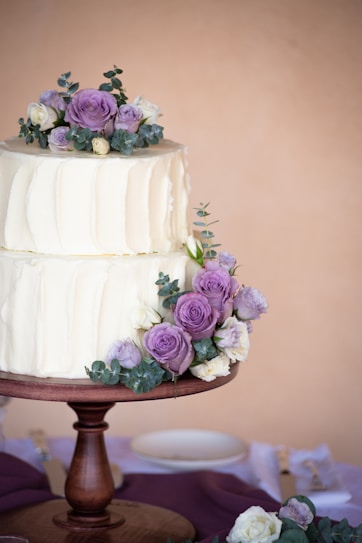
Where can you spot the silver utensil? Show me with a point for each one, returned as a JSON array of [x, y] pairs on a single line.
[[316, 483], [53, 467], [286, 478]]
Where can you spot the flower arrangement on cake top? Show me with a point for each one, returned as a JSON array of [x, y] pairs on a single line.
[[202, 331], [295, 522], [98, 120]]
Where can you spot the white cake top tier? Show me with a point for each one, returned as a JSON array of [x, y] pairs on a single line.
[[84, 204]]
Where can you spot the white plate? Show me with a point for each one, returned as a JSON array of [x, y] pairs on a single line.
[[189, 449]]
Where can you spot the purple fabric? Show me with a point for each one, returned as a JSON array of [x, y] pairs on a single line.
[[210, 500]]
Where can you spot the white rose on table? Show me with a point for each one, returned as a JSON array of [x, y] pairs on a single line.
[[100, 146], [42, 115], [144, 317], [255, 526], [209, 370], [150, 111]]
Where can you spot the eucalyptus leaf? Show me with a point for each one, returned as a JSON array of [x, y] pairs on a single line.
[[295, 535], [109, 74], [116, 83], [144, 377], [106, 87]]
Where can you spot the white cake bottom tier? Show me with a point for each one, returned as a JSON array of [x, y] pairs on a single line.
[[59, 314]]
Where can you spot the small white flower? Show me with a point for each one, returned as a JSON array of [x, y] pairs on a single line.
[[150, 111], [255, 526], [42, 115], [100, 146], [209, 370], [144, 317], [194, 248]]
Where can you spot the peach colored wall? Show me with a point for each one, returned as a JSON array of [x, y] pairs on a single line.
[[266, 94]]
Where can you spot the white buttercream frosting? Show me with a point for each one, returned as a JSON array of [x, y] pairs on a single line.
[[83, 204], [60, 313]]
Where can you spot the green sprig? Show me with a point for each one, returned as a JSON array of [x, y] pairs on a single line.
[[114, 84], [206, 234], [142, 378]]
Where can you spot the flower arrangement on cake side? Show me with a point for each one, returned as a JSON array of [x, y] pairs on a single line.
[[202, 331], [98, 120], [295, 522]]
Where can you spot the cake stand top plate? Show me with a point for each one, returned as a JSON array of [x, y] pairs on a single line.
[[84, 390]]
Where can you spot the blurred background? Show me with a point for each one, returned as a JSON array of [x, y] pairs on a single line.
[[266, 95]]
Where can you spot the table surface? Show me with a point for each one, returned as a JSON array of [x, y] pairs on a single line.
[[120, 452]]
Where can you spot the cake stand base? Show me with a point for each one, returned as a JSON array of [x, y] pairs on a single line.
[[89, 514], [132, 521]]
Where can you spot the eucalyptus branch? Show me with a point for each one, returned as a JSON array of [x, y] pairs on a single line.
[[206, 234]]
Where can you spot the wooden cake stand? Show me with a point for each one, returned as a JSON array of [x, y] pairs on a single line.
[[89, 514]]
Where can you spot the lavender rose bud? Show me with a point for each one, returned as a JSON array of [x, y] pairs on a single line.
[[297, 511], [170, 346], [194, 314], [227, 261], [91, 108], [57, 140], [249, 303], [126, 352], [53, 98], [218, 286], [128, 118]]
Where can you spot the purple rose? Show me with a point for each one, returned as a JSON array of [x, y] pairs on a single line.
[[249, 303], [53, 98], [170, 346], [298, 511], [57, 140], [194, 314], [215, 282], [128, 118], [126, 352], [91, 108]]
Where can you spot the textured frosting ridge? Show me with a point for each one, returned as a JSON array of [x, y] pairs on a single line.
[[68, 203], [58, 314]]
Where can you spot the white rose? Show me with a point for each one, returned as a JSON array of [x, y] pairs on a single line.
[[255, 526], [42, 115], [239, 352], [100, 146], [144, 317], [209, 370], [150, 111]]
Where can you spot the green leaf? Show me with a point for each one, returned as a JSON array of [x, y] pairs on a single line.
[[106, 87], [325, 529], [295, 535], [73, 88], [105, 376], [109, 74], [116, 83], [342, 532], [204, 349], [163, 279], [123, 141], [144, 377], [206, 234]]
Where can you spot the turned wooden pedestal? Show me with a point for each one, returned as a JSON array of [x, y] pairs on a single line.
[[88, 514]]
